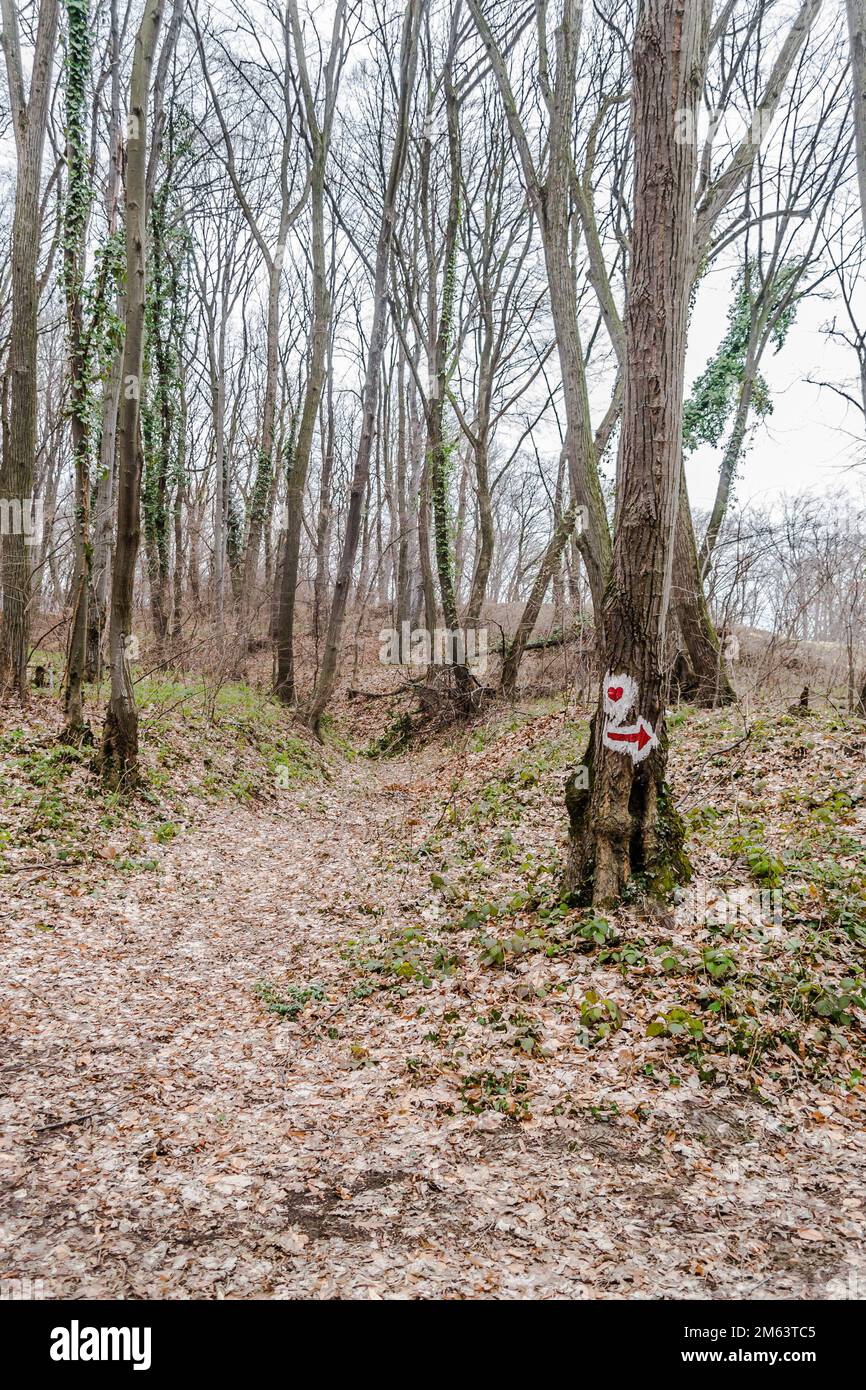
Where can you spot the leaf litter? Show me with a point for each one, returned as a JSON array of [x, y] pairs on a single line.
[[345, 1040]]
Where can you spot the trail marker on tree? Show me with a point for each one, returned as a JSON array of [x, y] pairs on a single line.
[[637, 740]]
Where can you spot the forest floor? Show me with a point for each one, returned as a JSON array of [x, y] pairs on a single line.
[[330, 1032]]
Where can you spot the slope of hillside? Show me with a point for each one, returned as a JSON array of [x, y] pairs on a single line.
[[335, 1033]]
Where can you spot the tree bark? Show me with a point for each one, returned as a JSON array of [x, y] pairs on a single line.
[[728, 467], [857, 40], [265, 464], [120, 733], [103, 530], [624, 822], [319, 135], [698, 670], [158, 416], [29, 118], [481, 572], [437, 445], [75, 222]]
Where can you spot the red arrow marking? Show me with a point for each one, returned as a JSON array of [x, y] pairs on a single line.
[[640, 737]]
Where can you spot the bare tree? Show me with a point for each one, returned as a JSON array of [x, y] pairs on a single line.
[[701, 672], [624, 823], [120, 734], [276, 70], [318, 129], [549, 188], [29, 119], [856, 10], [360, 477]]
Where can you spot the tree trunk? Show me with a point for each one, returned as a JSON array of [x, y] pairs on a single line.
[[103, 502], [158, 416], [180, 495], [319, 134], [857, 39], [402, 585], [623, 823], [103, 529], [438, 451], [217, 372], [264, 467], [730, 458], [75, 222], [30, 119], [323, 524], [461, 522], [423, 605], [120, 734], [698, 671], [486, 536]]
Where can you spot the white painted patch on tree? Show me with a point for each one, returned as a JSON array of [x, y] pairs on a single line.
[[620, 697], [637, 740]]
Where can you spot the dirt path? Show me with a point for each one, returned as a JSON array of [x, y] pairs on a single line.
[[167, 1135]]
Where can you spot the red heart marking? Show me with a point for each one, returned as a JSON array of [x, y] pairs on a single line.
[[614, 692]]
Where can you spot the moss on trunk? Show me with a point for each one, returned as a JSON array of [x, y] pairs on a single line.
[[648, 844]]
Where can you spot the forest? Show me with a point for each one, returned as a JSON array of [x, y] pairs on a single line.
[[432, 656]]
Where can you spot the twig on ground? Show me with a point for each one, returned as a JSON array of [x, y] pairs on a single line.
[[77, 1119], [45, 864]]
